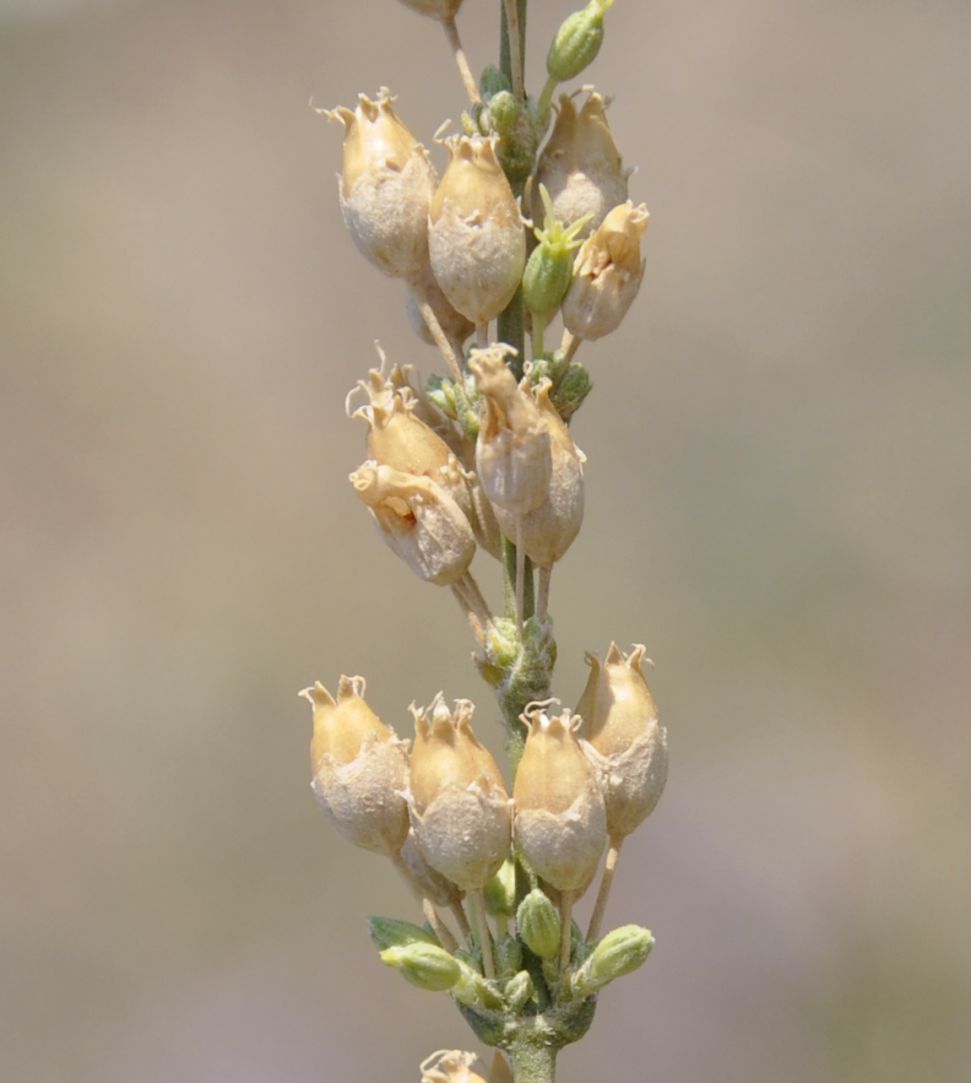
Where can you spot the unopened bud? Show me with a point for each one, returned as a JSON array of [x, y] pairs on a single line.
[[500, 891], [580, 166], [573, 387], [607, 274], [560, 823], [550, 264], [577, 41], [386, 186], [539, 925], [393, 933], [620, 952], [508, 956], [425, 965], [459, 806], [359, 766], [418, 520], [519, 990], [620, 722], [476, 239]]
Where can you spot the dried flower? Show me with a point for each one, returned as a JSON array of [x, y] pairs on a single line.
[[607, 273], [560, 823], [359, 767], [459, 806], [580, 165], [457, 1066], [418, 520], [386, 186], [475, 235], [620, 723]]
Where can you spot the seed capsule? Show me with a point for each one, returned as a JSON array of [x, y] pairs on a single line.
[[607, 274], [455, 326], [560, 822], [418, 520], [621, 725], [527, 462], [431, 884], [580, 166], [476, 238], [359, 768], [386, 186], [459, 806]]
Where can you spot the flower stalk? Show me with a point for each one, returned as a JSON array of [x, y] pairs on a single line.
[[480, 463]]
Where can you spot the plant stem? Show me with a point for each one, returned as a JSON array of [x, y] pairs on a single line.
[[610, 867], [506, 61], [455, 42], [533, 1062]]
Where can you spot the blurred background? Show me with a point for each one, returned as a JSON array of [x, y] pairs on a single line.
[[779, 507]]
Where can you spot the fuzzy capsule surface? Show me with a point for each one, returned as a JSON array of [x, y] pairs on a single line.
[[418, 520], [386, 186], [527, 462], [580, 166], [620, 723], [560, 821], [431, 884], [607, 274], [476, 239], [359, 768], [458, 802], [454, 325]]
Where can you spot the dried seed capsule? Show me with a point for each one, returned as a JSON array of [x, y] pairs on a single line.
[[577, 41], [359, 767], [476, 239], [418, 520], [580, 166], [607, 274], [454, 1066], [620, 952], [529, 466], [456, 327], [560, 823], [459, 806], [621, 725], [431, 884], [386, 186]]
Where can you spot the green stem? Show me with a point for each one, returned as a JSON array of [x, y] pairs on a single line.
[[546, 99], [533, 1062], [505, 54]]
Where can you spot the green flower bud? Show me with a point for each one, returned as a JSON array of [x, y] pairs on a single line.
[[573, 387], [424, 965], [619, 953], [539, 925], [500, 891], [493, 81], [578, 41], [509, 956], [473, 990], [518, 990], [549, 268], [394, 933], [503, 111]]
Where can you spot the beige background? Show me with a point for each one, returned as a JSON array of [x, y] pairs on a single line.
[[779, 507]]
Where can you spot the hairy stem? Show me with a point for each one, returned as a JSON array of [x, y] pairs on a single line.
[[468, 79], [533, 1062]]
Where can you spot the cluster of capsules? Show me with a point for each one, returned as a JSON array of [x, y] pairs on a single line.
[[524, 224], [443, 814]]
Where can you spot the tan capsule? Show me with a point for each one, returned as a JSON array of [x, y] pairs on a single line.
[[527, 462], [607, 274], [386, 186], [476, 237], [580, 166], [620, 722], [456, 327], [559, 821], [418, 520], [458, 802], [456, 1066], [360, 768], [430, 884]]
